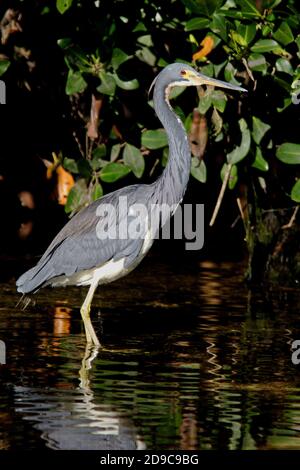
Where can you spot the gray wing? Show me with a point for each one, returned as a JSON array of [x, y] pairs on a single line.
[[78, 246]]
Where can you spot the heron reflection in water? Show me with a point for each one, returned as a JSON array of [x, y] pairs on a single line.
[[77, 256]]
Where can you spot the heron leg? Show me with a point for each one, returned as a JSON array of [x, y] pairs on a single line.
[[91, 336]]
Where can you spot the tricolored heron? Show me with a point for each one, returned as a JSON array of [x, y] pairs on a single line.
[[77, 255]]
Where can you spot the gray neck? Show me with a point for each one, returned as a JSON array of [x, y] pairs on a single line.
[[171, 185]]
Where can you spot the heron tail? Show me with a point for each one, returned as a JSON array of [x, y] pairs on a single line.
[[34, 278]]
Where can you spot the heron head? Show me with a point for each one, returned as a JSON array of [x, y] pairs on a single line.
[[191, 77], [180, 74]]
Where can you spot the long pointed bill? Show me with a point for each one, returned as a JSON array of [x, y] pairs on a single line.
[[203, 80]]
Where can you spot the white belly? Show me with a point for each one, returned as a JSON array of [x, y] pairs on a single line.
[[108, 272]]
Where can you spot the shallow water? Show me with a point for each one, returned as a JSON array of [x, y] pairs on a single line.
[[189, 360]]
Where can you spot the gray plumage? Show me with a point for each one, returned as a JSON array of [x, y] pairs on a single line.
[[76, 254], [76, 247]]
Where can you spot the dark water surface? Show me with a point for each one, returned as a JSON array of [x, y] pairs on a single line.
[[190, 360]]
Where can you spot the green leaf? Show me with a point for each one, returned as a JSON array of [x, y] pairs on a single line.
[[145, 55], [233, 14], [154, 139], [247, 31], [289, 153], [196, 24], [283, 83], [84, 168], [284, 34], [64, 43], [240, 152], [218, 67], [239, 15], [63, 5], [193, 40], [219, 26], [118, 58], [266, 30], [297, 41], [145, 40], [238, 38], [248, 7], [233, 177], [77, 197], [295, 194], [202, 7], [257, 63], [108, 84], [265, 45], [284, 65], [4, 64], [97, 157], [198, 170], [70, 165], [219, 137], [219, 100], [207, 70], [97, 163], [188, 122], [229, 73], [162, 62], [294, 19], [176, 91], [75, 58], [205, 101], [45, 10], [139, 27], [260, 163], [126, 85], [115, 152], [259, 128], [134, 159], [100, 151], [97, 191], [113, 172], [75, 83], [271, 3], [217, 122]]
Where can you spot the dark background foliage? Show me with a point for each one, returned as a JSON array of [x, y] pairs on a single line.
[[62, 60]]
